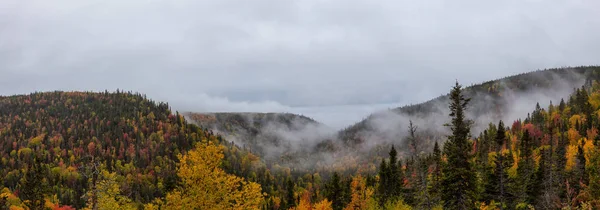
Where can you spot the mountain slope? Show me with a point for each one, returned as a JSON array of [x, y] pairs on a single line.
[[270, 135], [69, 132], [508, 98]]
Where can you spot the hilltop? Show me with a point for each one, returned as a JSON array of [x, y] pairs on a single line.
[[270, 135], [510, 98]]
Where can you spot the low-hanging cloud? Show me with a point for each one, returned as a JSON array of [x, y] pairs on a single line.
[[279, 53], [508, 105]]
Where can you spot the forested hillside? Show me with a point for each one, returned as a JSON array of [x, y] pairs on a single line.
[[265, 134], [62, 145], [508, 98], [85, 150]]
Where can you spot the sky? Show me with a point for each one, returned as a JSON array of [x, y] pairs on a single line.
[[333, 60]]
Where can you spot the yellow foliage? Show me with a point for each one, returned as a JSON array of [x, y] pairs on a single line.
[[323, 205], [573, 136], [513, 142], [588, 149], [109, 194], [592, 133], [36, 141], [574, 119], [207, 186], [397, 205], [571, 156], [491, 206], [304, 202], [16, 208], [512, 171], [492, 159], [360, 194], [595, 100], [11, 199]]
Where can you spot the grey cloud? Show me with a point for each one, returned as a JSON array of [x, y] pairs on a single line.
[[270, 55]]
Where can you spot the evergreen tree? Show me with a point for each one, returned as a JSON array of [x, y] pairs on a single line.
[[436, 176], [395, 187], [497, 178], [537, 187], [334, 192], [458, 181], [382, 193], [290, 199], [581, 177], [525, 169], [391, 178], [34, 186], [412, 139]]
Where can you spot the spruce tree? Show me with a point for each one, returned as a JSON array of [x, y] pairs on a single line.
[[526, 168], [334, 192], [34, 186], [289, 197], [539, 176], [497, 179], [394, 178], [458, 180], [382, 193], [436, 176]]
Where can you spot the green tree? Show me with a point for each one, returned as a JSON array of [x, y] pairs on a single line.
[[436, 176], [458, 180], [34, 186], [290, 199], [525, 170]]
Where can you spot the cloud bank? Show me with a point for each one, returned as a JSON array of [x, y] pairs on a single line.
[[271, 55]]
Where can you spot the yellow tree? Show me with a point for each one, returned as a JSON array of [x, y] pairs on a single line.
[[109, 194], [323, 205], [205, 185], [360, 194], [304, 202]]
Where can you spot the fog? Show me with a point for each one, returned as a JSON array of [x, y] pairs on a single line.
[[301, 142]]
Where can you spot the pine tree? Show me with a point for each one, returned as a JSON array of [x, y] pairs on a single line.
[[458, 182]]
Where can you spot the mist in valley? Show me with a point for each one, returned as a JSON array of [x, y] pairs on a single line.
[[303, 144]]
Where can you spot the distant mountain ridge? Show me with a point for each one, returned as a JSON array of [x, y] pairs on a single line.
[[267, 134], [291, 138], [491, 101]]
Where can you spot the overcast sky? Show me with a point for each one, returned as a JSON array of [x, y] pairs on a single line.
[[333, 60]]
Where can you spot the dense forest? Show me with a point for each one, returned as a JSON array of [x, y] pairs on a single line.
[[120, 150]]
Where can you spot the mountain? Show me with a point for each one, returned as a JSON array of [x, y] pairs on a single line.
[[73, 136], [270, 135], [509, 98], [65, 150]]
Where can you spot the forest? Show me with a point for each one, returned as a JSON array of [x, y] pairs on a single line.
[[121, 150]]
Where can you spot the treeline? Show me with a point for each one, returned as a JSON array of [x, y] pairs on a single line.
[[549, 160], [57, 148], [64, 150]]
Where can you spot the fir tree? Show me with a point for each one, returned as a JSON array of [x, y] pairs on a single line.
[[458, 181]]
